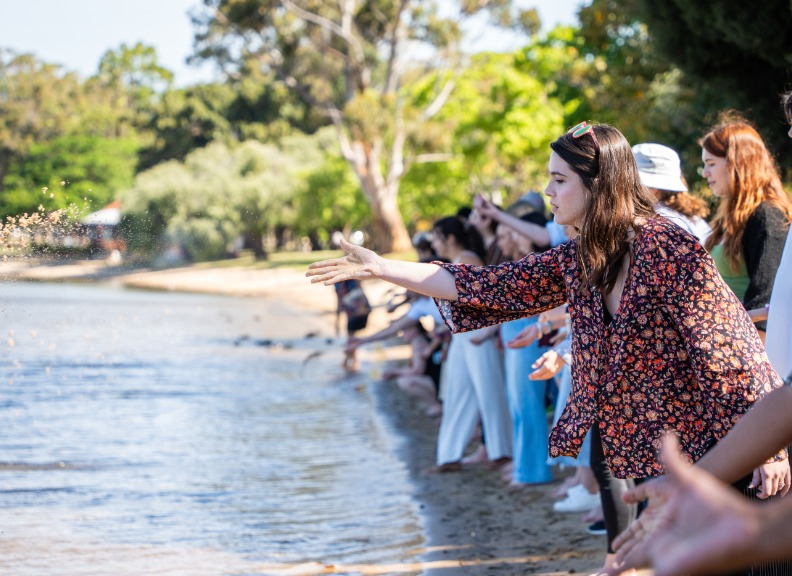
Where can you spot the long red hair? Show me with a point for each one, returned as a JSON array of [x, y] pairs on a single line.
[[753, 178]]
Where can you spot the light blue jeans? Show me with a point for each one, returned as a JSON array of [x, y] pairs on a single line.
[[564, 380], [527, 407]]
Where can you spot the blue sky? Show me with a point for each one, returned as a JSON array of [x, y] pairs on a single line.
[[75, 33]]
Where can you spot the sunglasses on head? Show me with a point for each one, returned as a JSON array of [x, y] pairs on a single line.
[[582, 129]]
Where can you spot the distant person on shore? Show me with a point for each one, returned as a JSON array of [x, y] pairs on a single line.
[[354, 305], [627, 277]]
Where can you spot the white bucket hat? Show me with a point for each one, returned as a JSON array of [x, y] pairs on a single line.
[[659, 167]]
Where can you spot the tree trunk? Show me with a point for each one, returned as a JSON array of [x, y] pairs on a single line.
[[388, 229], [389, 234]]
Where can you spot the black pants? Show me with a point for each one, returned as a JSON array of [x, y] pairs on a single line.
[[617, 514]]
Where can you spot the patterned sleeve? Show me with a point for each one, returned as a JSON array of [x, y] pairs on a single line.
[[723, 346], [491, 295]]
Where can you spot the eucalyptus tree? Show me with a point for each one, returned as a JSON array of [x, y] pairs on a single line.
[[353, 61]]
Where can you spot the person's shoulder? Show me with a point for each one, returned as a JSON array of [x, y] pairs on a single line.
[[767, 214], [660, 234]]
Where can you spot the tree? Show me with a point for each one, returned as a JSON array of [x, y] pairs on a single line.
[[218, 194], [350, 60], [34, 106], [731, 54], [62, 134]]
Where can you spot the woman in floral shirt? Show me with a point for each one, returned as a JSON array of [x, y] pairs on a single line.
[[659, 341]]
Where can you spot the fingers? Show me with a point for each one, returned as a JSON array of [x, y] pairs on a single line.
[[328, 278], [785, 486], [637, 494], [756, 479], [541, 374], [520, 341], [628, 547]]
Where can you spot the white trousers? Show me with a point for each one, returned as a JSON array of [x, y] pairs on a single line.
[[473, 389]]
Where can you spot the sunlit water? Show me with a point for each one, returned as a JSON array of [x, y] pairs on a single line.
[[157, 433]]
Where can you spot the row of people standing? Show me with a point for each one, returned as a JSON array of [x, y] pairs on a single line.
[[659, 340]]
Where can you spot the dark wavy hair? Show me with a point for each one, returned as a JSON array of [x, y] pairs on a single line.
[[616, 199], [466, 236]]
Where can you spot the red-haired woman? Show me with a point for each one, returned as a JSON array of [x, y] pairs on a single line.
[[750, 227]]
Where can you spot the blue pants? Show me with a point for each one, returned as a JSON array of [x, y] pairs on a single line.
[[527, 406]]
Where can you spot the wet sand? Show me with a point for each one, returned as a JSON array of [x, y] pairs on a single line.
[[474, 523]]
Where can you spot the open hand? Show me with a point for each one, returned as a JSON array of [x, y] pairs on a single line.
[[526, 337], [548, 365], [358, 264]]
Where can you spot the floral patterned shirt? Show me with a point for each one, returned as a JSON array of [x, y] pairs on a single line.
[[680, 353]]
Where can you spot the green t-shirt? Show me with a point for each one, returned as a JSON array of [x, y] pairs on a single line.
[[736, 280]]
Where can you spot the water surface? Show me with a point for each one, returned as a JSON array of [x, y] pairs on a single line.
[[160, 433]]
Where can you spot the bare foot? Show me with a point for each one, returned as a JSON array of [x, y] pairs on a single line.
[[444, 468], [434, 411], [500, 463], [561, 491], [477, 457]]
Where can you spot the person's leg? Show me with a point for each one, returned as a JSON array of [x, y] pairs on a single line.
[[485, 366], [527, 404], [460, 409], [564, 382], [617, 514]]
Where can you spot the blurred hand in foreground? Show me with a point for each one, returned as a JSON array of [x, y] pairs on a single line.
[[694, 524]]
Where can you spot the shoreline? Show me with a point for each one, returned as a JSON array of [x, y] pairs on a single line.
[[472, 520]]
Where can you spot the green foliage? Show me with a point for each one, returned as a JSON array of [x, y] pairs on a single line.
[[700, 58], [497, 123], [219, 193], [347, 59], [81, 170], [329, 199]]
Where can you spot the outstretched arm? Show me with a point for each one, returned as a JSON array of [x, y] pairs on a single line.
[[390, 330], [360, 263], [534, 232]]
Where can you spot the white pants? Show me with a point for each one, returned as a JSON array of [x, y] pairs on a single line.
[[474, 388]]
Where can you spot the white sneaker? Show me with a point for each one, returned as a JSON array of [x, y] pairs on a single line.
[[578, 500]]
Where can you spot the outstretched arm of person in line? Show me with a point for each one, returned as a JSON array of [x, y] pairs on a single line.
[[390, 330], [759, 314], [546, 323], [534, 232], [706, 526], [361, 263]]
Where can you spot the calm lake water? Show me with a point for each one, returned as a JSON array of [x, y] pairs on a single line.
[[158, 433]]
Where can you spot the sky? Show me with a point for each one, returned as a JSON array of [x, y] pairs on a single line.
[[76, 33]]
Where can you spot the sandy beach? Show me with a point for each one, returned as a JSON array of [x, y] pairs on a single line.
[[475, 524]]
